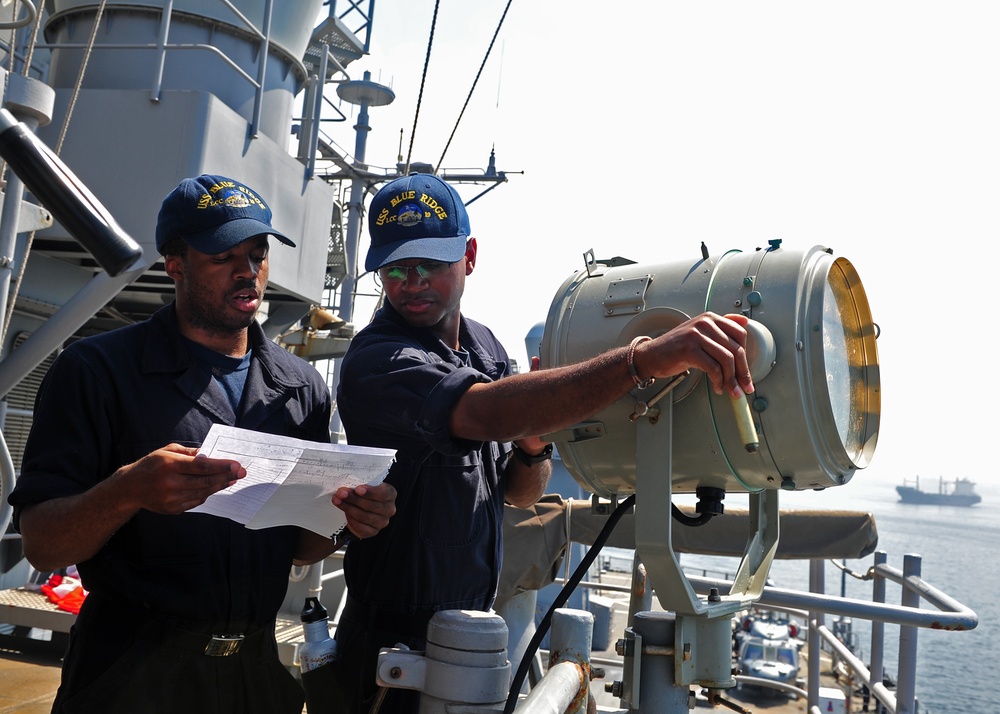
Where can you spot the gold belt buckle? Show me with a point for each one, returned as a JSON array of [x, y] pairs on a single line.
[[223, 645]]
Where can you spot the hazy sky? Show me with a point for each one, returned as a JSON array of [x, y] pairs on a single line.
[[646, 128]]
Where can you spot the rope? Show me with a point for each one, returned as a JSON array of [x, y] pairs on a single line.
[[423, 80], [842, 567], [27, 63], [10, 56], [32, 43], [16, 283], [16, 279], [475, 82], [15, 23], [79, 76]]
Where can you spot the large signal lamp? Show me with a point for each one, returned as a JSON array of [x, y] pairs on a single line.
[[811, 423], [813, 360]]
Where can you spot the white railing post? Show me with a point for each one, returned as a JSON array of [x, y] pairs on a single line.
[[817, 584], [570, 641], [907, 667]]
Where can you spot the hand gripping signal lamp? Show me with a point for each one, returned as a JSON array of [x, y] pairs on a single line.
[[812, 421]]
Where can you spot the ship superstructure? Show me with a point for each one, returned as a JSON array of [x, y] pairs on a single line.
[[134, 96]]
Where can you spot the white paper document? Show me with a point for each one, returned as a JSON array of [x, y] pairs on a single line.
[[289, 481]]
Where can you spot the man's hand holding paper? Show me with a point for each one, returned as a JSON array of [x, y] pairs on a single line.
[[293, 482], [367, 508]]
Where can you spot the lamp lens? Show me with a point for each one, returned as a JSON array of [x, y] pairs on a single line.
[[845, 321]]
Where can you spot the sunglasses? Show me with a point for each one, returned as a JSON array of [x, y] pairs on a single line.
[[425, 271]]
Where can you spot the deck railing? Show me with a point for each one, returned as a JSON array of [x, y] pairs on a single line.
[[945, 613]]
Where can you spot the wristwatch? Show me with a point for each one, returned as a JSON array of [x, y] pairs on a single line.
[[527, 459]]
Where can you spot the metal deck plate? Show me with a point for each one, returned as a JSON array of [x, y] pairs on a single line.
[[33, 609]]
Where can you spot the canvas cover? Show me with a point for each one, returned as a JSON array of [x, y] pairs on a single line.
[[536, 538]]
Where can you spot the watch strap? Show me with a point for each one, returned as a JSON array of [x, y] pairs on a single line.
[[527, 459]]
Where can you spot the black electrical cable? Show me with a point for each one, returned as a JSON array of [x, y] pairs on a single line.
[[709, 506], [712, 496], [681, 517], [561, 598]]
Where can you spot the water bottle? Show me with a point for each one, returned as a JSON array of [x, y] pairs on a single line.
[[319, 648]]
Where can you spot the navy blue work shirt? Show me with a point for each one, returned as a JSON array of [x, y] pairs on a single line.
[[442, 549], [109, 400]]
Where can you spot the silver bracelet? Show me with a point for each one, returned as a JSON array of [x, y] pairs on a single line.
[[640, 383]]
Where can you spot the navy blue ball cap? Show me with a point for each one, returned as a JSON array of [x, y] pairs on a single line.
[[416, 216], [213, 214]]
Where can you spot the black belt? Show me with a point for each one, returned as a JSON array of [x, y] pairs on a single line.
[[176, 634], [210, 645], [172, 633]]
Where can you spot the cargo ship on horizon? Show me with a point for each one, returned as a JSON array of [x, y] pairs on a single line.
[[960, 492]]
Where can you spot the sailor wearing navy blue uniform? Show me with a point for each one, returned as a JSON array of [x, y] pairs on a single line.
[[180, 610], [426, 380]]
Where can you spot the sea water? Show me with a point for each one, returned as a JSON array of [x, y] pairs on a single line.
[[959, 549]]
